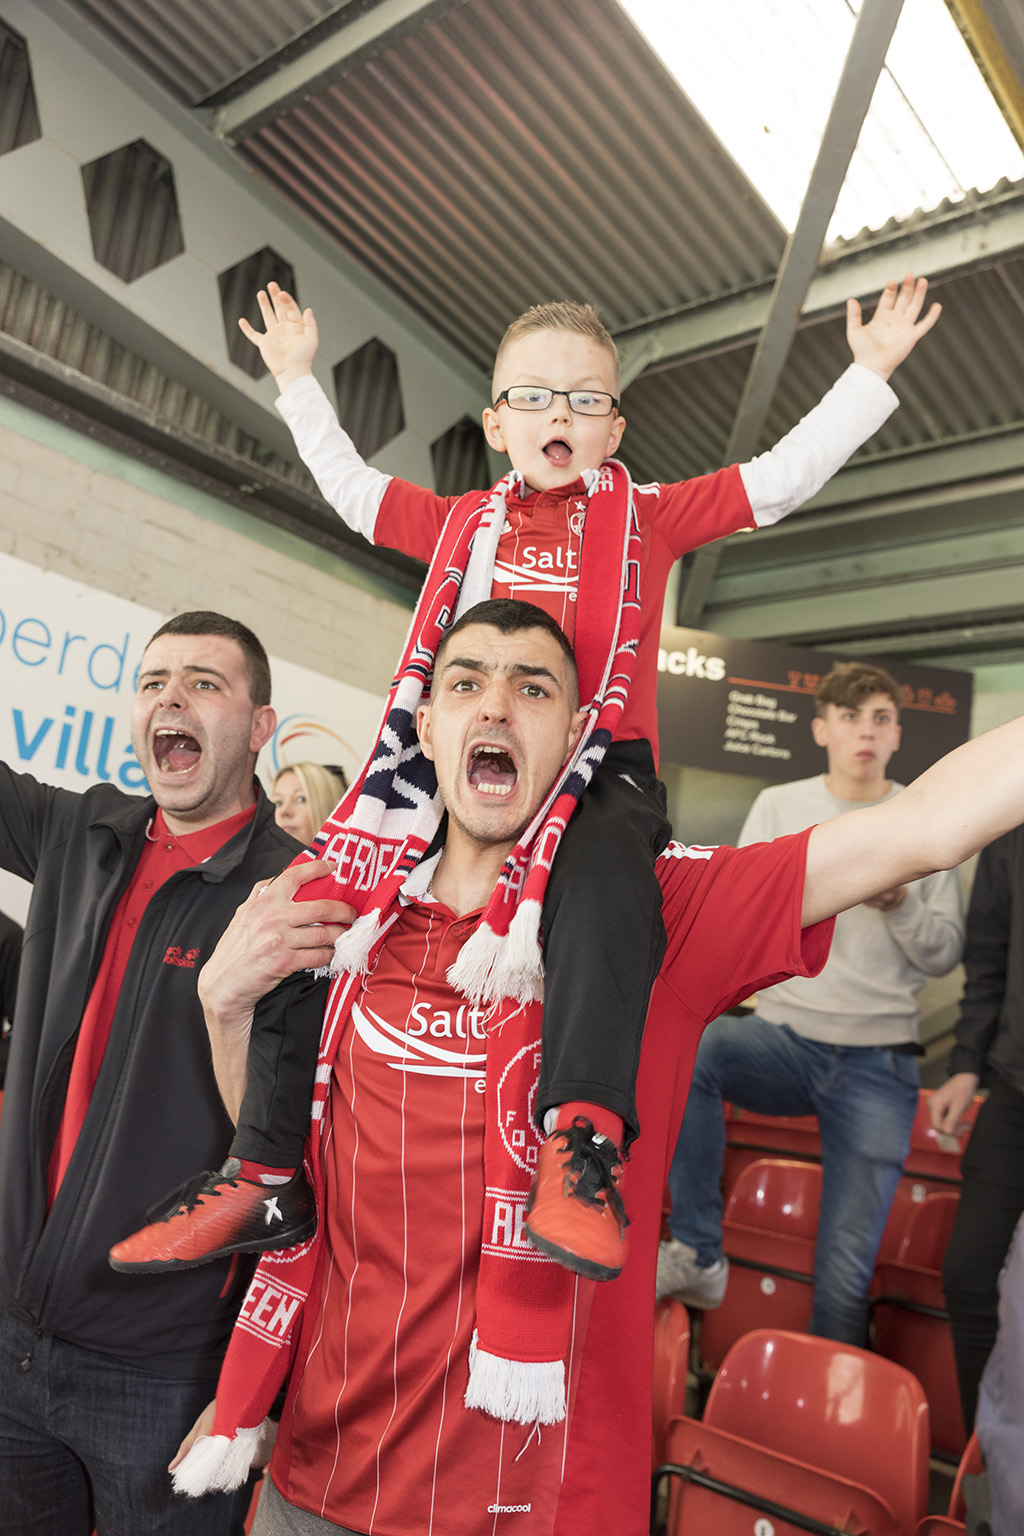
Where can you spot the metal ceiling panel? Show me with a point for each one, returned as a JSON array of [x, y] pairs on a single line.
[[519, 150], [193, 46], [476, 179], [965, 379]]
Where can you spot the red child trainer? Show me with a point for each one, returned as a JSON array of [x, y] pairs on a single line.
[[574, 1212], [218, 1214]]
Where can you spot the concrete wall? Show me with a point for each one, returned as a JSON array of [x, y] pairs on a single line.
[[73, 506]]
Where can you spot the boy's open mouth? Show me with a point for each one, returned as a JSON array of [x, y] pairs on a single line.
[[176, 751], [558, 452], [491, 770]]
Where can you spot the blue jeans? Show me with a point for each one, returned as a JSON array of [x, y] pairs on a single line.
[[865, 1099], [85, 1439]]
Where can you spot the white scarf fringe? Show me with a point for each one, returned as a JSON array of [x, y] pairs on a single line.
[[492, 966], [352, 948], [216, 1464], [518, 1391]]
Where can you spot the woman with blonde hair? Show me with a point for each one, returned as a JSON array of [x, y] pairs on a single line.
[[304, 795]]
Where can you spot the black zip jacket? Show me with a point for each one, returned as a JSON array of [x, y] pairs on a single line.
[[990, 1029], [155, 1116]]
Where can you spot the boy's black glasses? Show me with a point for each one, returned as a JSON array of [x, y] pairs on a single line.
[[582, 402]]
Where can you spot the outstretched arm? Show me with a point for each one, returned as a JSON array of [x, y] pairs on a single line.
[[852, 411], [289, 342], [959, 805], [894, 329]]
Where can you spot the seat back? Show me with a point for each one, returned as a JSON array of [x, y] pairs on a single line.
[[779, 1196], [848, 1411], [768, 1234], [750, 1137], [971, 1464], [927, 1231], [933, 1155], [671, 1360], [731, 1487], [909, 1321], [910, 1193]]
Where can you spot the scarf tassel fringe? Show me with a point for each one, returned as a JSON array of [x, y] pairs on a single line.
[[492, 966], [217, 1464], [352, 948], [517, 1391]]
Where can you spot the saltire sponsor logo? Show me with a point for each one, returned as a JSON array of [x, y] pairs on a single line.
[[541, 573], [416, 1049]]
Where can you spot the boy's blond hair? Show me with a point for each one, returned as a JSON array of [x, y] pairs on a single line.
[[851, 682], [563, 315]]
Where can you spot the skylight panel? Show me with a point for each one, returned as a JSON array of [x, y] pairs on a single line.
[[763, 73]]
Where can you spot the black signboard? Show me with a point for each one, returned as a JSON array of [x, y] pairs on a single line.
[[746, 706]]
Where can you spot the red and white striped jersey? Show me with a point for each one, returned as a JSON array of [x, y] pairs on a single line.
[[539, 553], [374, 1435]]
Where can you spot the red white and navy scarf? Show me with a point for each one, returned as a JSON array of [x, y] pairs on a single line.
[[375, 839]]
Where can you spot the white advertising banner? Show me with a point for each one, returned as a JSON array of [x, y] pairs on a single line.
[[68, 660]]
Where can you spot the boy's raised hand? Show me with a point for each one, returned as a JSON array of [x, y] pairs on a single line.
[[894, 329], [289, 343]]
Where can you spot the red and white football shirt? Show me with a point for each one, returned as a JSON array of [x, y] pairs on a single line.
[[374, 1435], [539, 553]]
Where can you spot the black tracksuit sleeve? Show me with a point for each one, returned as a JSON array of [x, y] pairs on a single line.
[[986, 957]]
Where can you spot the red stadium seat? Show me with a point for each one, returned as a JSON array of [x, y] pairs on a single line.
[[750, 1137], [859, 1422], [671, 1359], [910, 1193], [724, 1484], [931, 1156], [768, 1234], [971, 1463], [910, 1324], [940, 1525]]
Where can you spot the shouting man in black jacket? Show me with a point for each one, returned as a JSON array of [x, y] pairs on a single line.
[[110, 1098]]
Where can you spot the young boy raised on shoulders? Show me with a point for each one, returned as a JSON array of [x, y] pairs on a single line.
[[555, 414]]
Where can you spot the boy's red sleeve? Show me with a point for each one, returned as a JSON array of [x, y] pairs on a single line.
[[695, 512], [411, 518]]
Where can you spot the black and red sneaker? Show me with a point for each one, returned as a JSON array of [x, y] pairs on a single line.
[[574, 1212], [216, 1214]]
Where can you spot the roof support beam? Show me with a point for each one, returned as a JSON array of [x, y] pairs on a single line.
[[864, 62], [275, 91], [950, 243], [994, 30]]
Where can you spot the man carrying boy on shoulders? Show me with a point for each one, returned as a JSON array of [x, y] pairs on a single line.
[[422, 1262], [555, 412]]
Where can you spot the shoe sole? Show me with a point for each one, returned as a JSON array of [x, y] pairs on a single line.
[[587, 1268], [162, 1266], [694, 1303]]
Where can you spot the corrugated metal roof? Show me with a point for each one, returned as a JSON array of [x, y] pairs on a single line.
[[193, 46], [512, 151], [32, 315], [967, 378], [476, 180]]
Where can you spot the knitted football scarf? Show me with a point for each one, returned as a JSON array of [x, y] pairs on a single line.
[[382, 827], [375, 839]]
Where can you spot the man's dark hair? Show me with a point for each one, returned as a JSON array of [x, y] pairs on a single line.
[[257, 667], [510, 616], [851, 682]]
